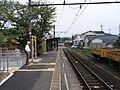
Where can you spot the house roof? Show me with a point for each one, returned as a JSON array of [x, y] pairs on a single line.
[[97, 32], [90, 37], [108, 38]]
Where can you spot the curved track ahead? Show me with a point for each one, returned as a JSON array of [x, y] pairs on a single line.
[[89, 79]]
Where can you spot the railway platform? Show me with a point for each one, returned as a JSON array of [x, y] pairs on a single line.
[[51, 71]]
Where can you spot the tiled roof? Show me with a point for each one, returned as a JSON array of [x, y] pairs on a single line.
[[97, 32], [108, 38], [90, 37]]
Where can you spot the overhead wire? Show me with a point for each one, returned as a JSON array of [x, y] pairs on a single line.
[[76, 7], [73, 7], [82, 12], [60, 15], [73, 20], [76, 18]]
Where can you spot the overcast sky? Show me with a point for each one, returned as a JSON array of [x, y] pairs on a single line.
[[89, 17]]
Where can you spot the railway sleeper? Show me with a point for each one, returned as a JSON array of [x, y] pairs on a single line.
[[91, 80], [94, 88], [88, 76], [94, 83], [84, 88], [100, 87]]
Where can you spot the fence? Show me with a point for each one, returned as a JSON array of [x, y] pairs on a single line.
[[11, 58]]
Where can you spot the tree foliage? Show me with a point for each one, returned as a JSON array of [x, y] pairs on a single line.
[[117, 43], [63, 39], [15, 21]]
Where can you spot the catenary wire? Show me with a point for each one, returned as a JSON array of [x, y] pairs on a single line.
[[60, 15], [76, 7], [74, 20], [77, 18]]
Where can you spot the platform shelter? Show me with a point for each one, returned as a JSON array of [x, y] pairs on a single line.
[[52, 43]]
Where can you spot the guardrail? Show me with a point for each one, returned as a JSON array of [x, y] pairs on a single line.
[[11, 58]]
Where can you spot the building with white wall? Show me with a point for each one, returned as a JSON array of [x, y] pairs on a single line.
[[105, 41], [85, 38]]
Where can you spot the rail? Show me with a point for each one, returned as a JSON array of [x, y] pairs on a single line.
[[86, 70]]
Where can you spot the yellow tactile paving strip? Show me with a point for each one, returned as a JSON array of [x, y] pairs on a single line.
[[13, 69], [33, 70], [46, 64], [55, 84]]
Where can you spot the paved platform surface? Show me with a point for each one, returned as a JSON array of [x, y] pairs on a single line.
[[68, 78], [52, 71], [36, 76]]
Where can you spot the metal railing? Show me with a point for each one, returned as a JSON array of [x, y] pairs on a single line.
[[11, 58]]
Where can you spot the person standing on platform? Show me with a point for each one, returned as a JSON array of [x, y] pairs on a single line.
[[28, 51]]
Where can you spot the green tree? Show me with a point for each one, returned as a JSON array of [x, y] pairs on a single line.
[[15, 19], [117, 43], [63, 39]]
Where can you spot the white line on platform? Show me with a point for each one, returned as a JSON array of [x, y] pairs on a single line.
[[45, 64], [66, 81], [4, 80]]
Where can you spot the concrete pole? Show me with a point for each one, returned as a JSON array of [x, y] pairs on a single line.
[[54, 31], [30, 33], [101, 27], [29, 13], [119, 30]]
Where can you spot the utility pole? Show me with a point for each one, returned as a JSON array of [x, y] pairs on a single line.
[[72, 39], [109, 31], [29, 30], [54, 31], [119, 30], [101, 26], [29, 13]]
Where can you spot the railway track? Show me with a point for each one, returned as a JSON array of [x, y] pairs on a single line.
[[89, 79]]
